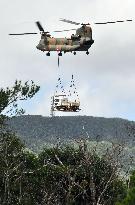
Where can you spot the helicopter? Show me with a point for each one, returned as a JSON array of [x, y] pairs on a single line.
[[80, 41]]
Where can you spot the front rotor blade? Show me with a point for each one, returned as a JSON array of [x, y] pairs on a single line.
[[39, 26], [111, 22], [19, 34], [68, 21]]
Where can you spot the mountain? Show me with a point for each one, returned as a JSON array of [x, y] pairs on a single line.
[[37, 130]]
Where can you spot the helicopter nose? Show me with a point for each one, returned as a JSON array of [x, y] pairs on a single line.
[[38, 46]]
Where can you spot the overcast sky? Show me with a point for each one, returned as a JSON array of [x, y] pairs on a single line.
[[105, 79]]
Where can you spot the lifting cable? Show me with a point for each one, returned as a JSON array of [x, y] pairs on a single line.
[[59, 85], [58, 61]]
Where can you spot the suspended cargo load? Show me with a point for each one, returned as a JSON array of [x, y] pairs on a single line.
[[65, 101], [62, 103]]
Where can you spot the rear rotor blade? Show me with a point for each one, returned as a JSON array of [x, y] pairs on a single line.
[[111, 22], [18, 34], [68, 21], [120, 21], [39, 26]]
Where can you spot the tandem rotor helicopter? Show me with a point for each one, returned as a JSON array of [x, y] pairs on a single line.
[[81, 41]]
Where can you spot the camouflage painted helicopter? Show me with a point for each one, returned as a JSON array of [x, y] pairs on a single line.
[[81, 41]]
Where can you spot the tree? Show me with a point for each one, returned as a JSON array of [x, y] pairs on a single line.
[[77, 177], [58, 175], [10, 97], [130, 198], [12, 158]]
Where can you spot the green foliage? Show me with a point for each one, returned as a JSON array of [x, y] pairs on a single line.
[[9, 97], [59, 175], [77, 173], [11, 160], [132, 180], [130, 198]]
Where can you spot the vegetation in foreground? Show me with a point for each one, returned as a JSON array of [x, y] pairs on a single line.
[[59, 175], [130, 197]]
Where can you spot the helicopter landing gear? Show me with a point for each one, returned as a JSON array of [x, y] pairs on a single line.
[[87, 53], [74, 53], [48, 54], [60, 54]]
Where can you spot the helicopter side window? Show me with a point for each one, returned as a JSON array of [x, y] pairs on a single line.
[[56, 100], [75, 37]]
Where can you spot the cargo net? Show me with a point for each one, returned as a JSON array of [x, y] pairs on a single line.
[[66, 101]]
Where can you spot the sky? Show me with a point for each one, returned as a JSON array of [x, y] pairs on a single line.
[[105, 79]]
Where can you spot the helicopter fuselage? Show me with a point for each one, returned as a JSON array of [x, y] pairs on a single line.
[[81, 41], [64, 44]]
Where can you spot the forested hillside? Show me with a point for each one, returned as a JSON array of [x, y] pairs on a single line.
[[38, 130]]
